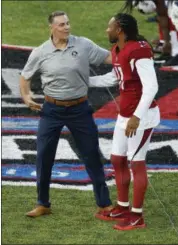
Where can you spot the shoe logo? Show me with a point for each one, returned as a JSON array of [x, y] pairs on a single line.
[[134, 223], [115, 215]]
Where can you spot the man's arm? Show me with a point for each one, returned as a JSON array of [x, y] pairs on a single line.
[[31, 67], [27, 95], [108, 59], [147, 74], [97, 54]]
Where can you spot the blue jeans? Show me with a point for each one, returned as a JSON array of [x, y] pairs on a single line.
[[80, 122]]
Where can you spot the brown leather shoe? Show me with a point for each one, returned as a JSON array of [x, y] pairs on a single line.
[[38, 211], [108, 208], [104, 213]]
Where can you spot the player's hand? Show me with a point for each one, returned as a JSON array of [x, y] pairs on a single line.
[[32, 104], [167, 47], [132, 126]]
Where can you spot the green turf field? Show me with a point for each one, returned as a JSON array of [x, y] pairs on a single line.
[[25, 22], [72, 222]]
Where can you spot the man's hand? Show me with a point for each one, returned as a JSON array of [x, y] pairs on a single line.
[[166, 49], [132, 126], [31, 104], [27, 94]]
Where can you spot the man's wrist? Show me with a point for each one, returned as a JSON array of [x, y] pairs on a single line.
[[136, 117]]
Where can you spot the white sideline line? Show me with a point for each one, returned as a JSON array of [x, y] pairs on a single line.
[[11, 105], [162, 170], [72, 187], [12, 96], [53, 185]]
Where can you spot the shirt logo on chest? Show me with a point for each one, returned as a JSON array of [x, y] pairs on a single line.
[[74, 53]]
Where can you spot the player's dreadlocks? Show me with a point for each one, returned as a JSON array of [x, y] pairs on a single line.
[[129, 26]]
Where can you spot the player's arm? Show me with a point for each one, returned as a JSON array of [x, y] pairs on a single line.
[[147, 74], [146, 71], [161, 10], [107, 80], [31, 67]]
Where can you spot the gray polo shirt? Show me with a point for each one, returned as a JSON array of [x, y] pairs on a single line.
[[64, 73]]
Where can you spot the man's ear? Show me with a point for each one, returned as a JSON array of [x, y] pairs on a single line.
[[119, 30], [50, 29]]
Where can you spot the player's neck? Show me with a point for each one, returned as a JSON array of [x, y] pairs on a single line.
[[121, 44]]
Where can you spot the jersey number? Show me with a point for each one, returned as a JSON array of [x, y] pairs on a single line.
[[120, 74]]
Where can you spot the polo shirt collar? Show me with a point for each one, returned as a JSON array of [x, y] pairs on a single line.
[[69, 44]]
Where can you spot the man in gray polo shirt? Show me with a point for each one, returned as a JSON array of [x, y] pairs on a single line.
[[63, 62]]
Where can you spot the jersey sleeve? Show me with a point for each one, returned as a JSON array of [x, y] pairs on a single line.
[[32, 65], [96, 54], [142, 52], [147, 74]]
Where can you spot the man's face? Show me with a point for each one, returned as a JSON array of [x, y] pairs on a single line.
[[112, 31], [60, 27]]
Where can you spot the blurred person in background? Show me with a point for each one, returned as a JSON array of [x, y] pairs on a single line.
[[174, 14], [168, 35]]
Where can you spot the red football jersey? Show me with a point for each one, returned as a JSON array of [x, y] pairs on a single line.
[[124, 66]]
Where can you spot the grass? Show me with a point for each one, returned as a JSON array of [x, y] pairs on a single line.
[[72, 221], [25, 23]]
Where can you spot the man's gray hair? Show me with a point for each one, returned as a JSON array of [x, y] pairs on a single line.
[[54, 14]]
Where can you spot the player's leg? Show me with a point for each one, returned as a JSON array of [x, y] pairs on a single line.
[[84, 131], [47, 139], [122, 172], [137, 149]]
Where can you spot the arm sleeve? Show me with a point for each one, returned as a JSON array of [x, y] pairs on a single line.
[[147, 74], [96, 54], [107, 80], [32, 65]]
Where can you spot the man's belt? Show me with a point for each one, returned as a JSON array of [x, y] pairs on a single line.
[[65, 102]]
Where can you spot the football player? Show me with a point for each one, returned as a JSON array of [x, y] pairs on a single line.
[[133, 65]]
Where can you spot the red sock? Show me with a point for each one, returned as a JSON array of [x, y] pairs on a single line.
[[140, 183], [122, 176]]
